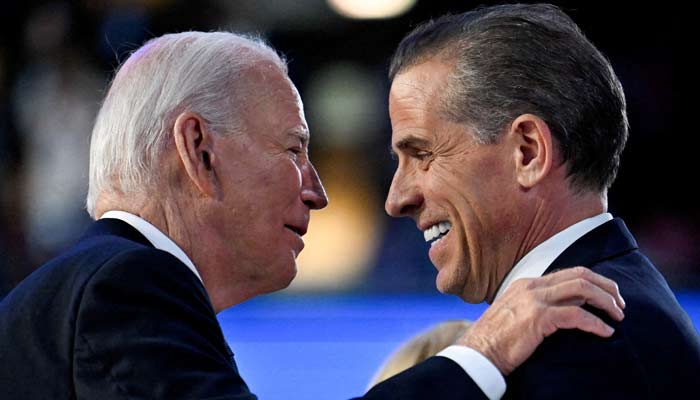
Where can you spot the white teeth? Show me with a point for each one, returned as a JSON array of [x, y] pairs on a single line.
[[436, 230]]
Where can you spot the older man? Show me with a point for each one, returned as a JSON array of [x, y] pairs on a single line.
[[202, 187], [508, 125]]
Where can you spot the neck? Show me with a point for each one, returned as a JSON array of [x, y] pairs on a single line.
[[549, 215], [553, 215], [188, 223], [158, 213]]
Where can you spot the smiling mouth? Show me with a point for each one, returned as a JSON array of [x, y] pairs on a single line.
[[436, 232]]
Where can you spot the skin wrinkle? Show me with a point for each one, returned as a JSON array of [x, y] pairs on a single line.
[[259, 184], [528, 237], [450, 150], [471, 236], [174, 212], [500, 197]]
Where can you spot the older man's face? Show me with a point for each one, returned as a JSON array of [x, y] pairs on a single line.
[[456, 189], [269, 184]]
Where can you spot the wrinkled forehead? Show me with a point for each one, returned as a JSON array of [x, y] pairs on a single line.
[[266, 82], [272, 105], [424, 82]]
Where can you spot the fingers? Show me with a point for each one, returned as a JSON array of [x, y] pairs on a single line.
[[574, 317], [514, 325], [568, 274], [578, 292]]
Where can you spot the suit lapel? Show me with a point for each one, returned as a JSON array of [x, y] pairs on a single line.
[[606, 241], [116, 227]]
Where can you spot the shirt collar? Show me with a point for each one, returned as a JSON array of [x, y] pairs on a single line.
[[157, 238], [534, 263]]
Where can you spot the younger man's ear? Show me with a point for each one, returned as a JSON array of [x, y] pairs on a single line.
[[532, 150]]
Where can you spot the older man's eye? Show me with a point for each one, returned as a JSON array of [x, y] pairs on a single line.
[[295, 151]]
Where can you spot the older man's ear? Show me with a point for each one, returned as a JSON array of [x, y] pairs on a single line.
[[195, 148], [532, 149]]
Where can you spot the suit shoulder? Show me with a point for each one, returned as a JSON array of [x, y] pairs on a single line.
[[65, 276], [651, 352], [144, 269], [61, 283], [649, 299]]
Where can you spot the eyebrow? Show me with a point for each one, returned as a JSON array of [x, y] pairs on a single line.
[[407, 142], [301, 134]]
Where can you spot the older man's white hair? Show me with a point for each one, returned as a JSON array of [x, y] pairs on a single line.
[[190, 71]]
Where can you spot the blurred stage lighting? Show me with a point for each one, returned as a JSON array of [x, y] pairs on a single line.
[[371, 9], [345, 105], [342, 239]]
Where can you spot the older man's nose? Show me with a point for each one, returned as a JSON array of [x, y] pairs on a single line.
[[313, 194], [403, 198]]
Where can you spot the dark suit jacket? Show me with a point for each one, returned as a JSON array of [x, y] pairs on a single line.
[[654, 352], [115, 318]]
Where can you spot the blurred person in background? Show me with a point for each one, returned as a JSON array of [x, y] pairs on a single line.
[[421, 347], [201, 187], [509, 125], [9, 161], [55, 97]]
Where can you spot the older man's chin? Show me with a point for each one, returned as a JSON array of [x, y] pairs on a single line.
[[282, 278], [289, 278]]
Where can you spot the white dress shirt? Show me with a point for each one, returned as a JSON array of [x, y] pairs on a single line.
[[157, 238], [532, 265]]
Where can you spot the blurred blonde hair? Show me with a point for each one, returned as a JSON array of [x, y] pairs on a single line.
[[421, 347]]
